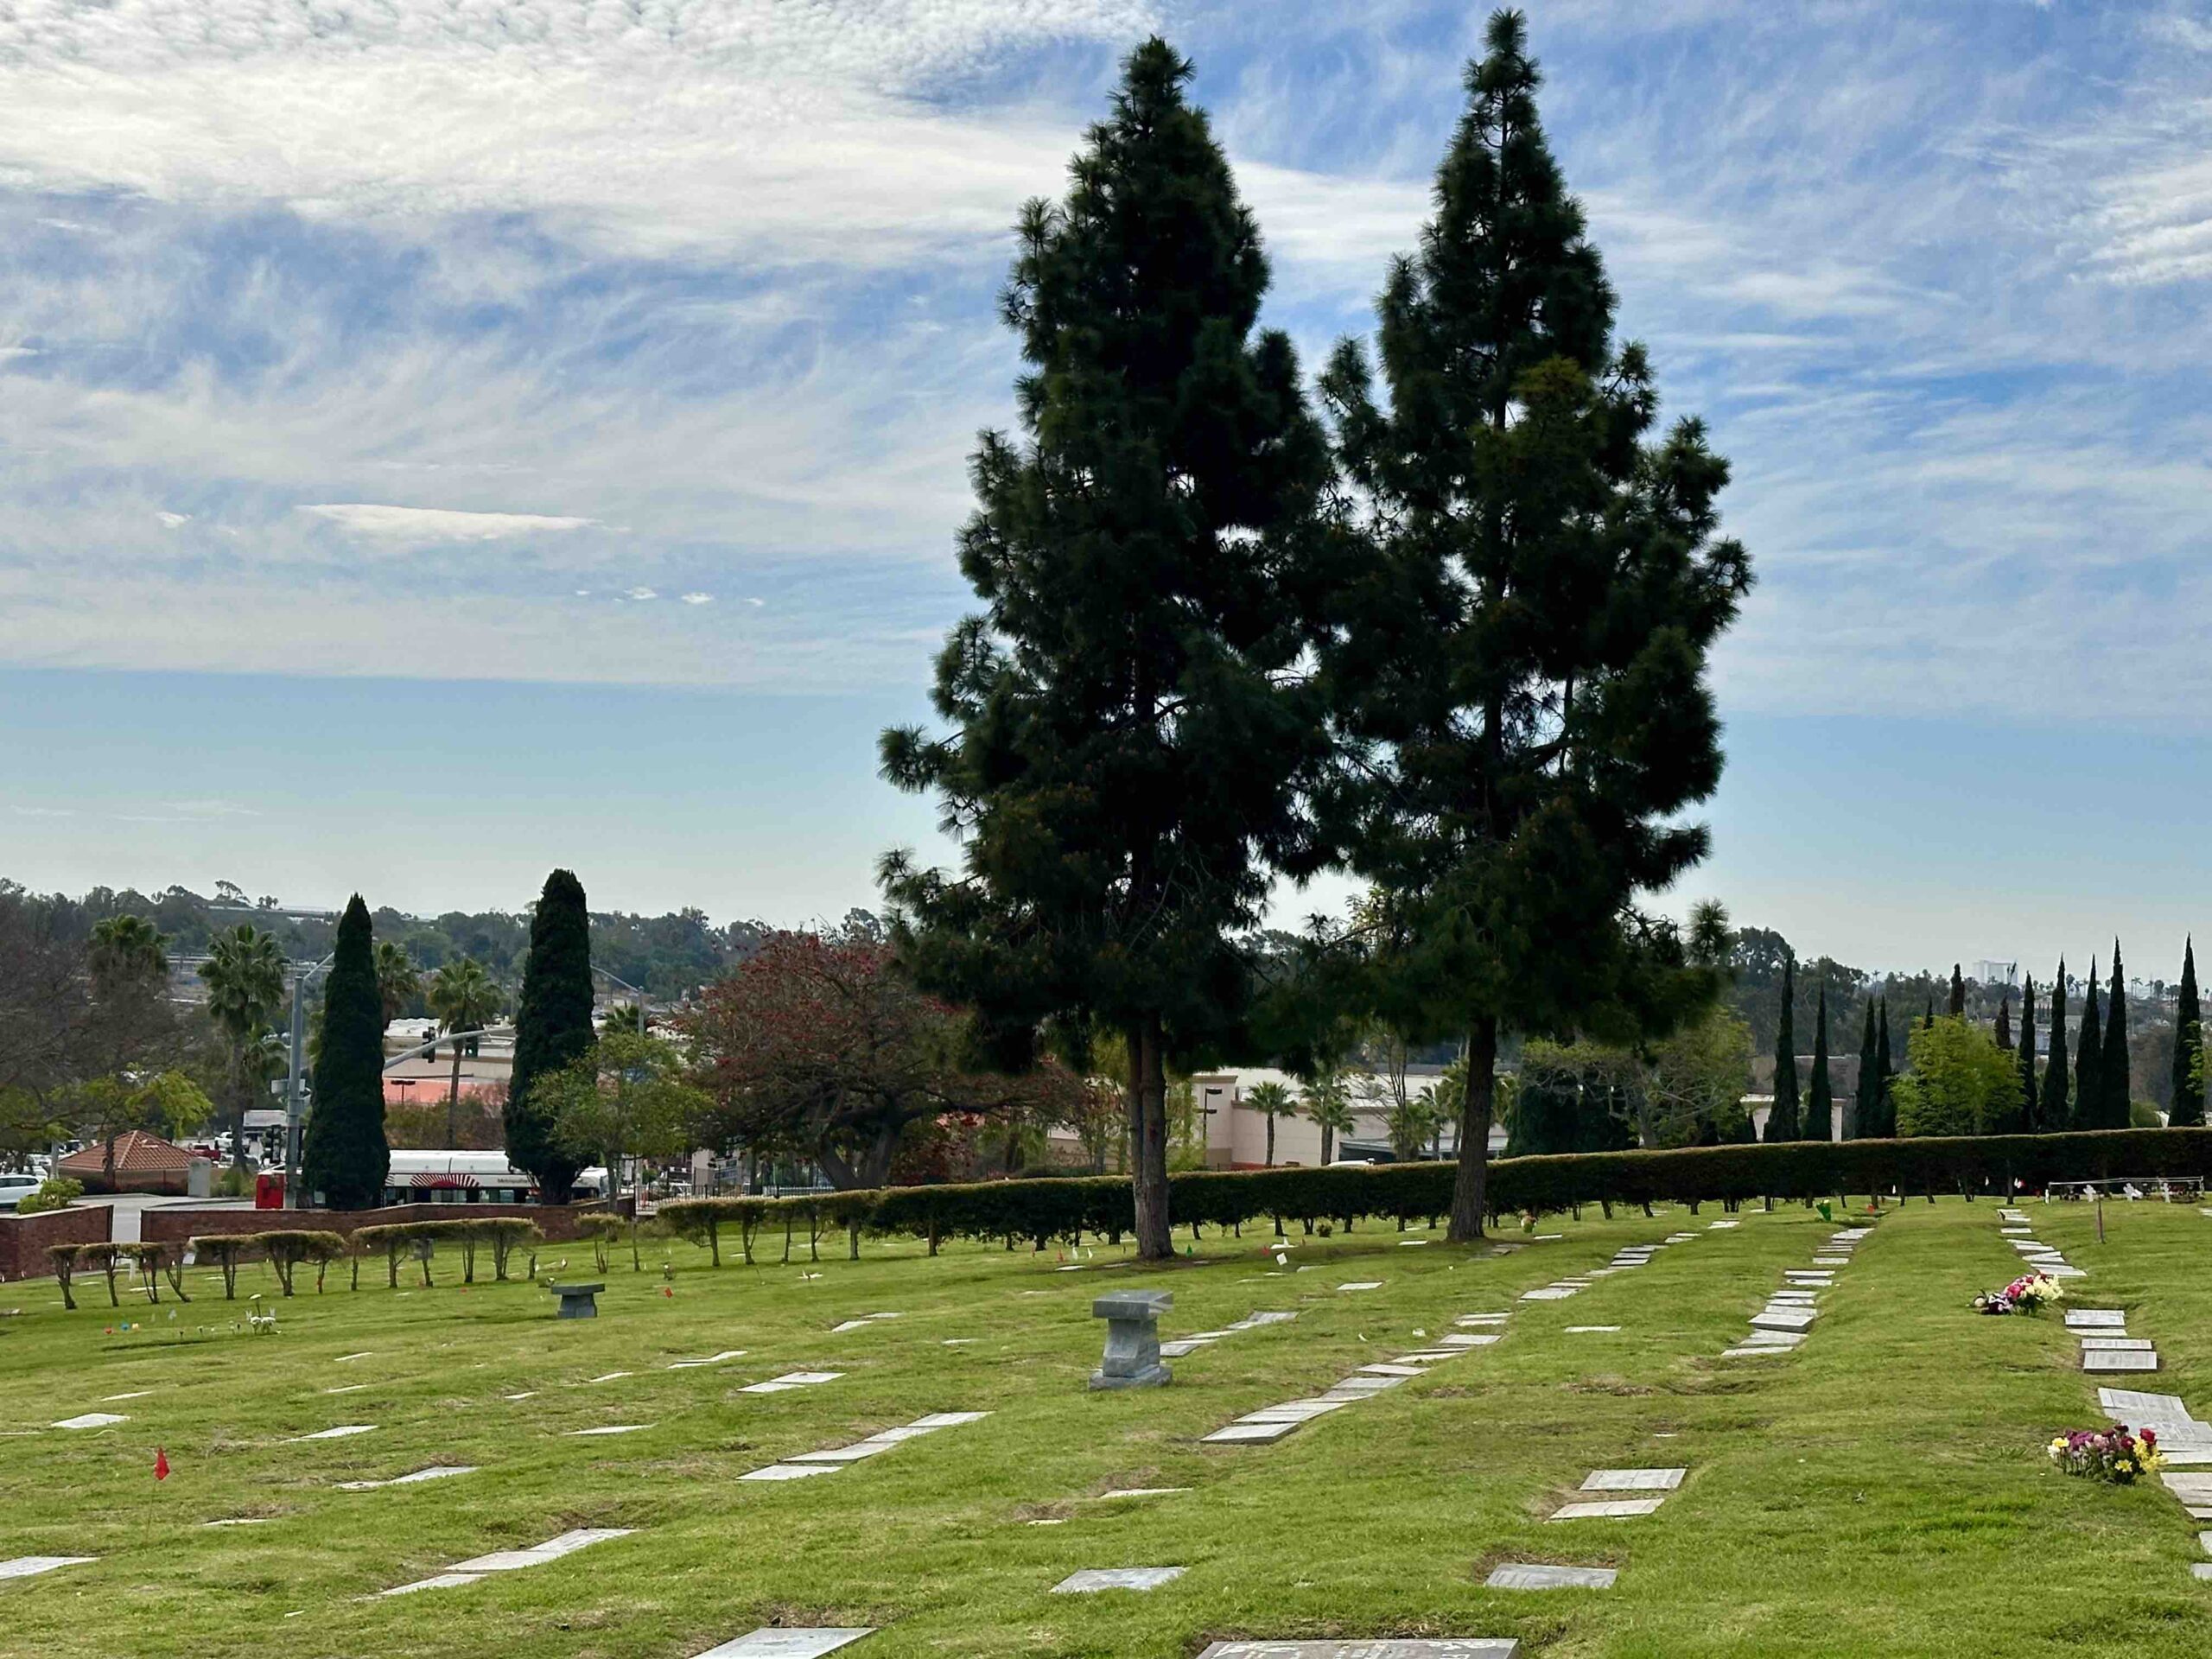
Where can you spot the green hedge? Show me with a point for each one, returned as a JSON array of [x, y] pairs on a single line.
[[1099, 1206]]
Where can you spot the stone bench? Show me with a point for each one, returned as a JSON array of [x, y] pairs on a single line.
[[577, 1301], [1132, 1359]]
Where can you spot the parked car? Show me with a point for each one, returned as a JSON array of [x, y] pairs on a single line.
[[16, 1187]]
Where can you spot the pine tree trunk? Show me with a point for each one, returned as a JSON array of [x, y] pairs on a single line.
[[1147, 1103], [1469, 1188]]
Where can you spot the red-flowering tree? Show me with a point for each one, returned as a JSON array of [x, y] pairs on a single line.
[[824, 1048]]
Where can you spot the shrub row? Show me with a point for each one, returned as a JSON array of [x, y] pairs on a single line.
[[1070, 1208], [287, 1249]]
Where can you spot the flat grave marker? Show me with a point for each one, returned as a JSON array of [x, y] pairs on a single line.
[[790, 1379], [1248, 1433], [1615, 1508], [790, 1471], [1589, 1330], [343, 1432], [1537, 1575], [29, 1566], [436, 1471], [567, 1543], [2094, 1360], [2130, 1405], [793, 1643], [1634, 1480], [711, 1359], [610, 1429], [1363, 1284], [1093, 1579], [2095, 1319], [91, 1420], [1387, 1647]]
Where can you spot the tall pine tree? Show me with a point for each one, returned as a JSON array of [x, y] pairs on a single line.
[[1865, 1116], [1884, 1069], [552, 1028], [1820, 1105], [2116, 1095], [2052, 1113], [1521, 668], [2188, 1047], [347, 1158], [2088, 1068], [1781, 1118], [1143, 557], [2028, 1115]]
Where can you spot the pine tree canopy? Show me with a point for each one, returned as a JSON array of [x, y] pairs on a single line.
[[552, 1029], [1782, 1116], [1129, 719], [2115, 1094], [1518, 661], [2088, 1069], [1865, 1116], [2052, 1113], [2188, 1109], [1884, 1071], [1820, 1105], [346, 1157]]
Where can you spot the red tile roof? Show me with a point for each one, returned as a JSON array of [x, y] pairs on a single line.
[[136, 1153]]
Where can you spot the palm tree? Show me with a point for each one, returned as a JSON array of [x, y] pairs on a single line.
[[1328, 1106], [1271, 1101], [464, 998], [128, 950], [628, 1017], [398, 980], [244, 971], [1411, 1122]]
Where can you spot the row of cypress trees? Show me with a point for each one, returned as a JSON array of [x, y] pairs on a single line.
[[346, 1157], [2089, 1090]]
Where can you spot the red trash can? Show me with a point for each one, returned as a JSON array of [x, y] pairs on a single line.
[[269, 1191]]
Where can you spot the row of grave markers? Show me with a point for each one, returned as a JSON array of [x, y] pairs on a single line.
[[2013, 1226], [1782, 1325]]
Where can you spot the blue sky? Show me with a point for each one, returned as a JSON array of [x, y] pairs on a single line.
[[442, 440]]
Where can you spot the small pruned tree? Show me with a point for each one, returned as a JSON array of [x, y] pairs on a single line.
[[63, 1258], [391, 1239], [626, 1100], [603, 1230], [286, 1249], [108, 1258], [506, 1234], [164, 1260], [225, 1250]]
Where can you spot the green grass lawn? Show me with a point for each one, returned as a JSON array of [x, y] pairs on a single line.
[[1882, 1489]]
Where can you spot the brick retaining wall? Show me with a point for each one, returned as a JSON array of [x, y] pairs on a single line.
[[24, 1239]]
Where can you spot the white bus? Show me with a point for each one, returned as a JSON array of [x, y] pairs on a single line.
[[456, 1178]]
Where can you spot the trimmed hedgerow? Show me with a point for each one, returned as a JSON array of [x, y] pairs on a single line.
[[225, 1250], [1067, 1209]]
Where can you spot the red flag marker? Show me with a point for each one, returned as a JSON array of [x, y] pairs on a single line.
[[160, 1464]]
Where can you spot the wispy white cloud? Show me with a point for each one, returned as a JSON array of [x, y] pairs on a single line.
[[434, 524]]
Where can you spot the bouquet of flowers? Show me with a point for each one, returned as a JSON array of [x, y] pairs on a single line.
[[2117, 1454], [2030, 1294]]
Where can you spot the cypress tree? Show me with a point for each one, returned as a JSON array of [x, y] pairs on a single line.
[[1782, 1117], [1884, 1069], [1958, 1009], [2089, 1070], [1527, 542], [1144, 556], [552, 1028], [2112, 1053], [1928, 1024], [346, 1158], [2051, 1113], [2028, 1115], [1864, 1117], [2188, 1047], [2005, 1021], [1820, 1106]]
